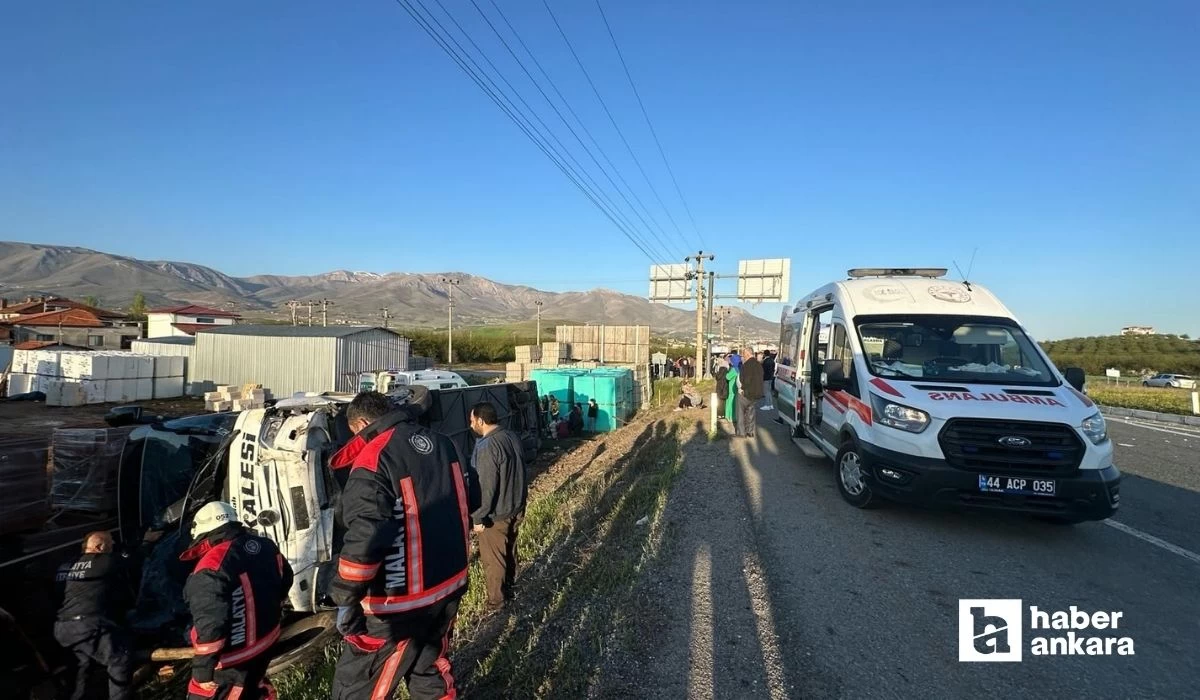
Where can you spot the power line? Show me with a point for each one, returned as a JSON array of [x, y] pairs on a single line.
[[562, 148], [650, 124], [496, 95], [571, 129], [586, 131], [612, 119]]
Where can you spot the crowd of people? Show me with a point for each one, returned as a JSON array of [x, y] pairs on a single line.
[[408, 510]]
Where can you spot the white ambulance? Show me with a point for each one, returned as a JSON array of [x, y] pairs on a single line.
[[928, 391]]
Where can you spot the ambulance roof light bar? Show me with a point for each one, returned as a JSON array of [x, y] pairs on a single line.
[[932, 272]]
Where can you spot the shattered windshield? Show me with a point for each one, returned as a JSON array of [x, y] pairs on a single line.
[[966, 349]]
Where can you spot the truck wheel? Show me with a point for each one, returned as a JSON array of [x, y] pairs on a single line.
[[851, 478], [303, 641]]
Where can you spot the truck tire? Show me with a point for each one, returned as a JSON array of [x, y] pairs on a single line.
[[304, 641]]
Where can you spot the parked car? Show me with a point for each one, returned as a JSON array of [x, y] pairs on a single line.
[[1177, 381]]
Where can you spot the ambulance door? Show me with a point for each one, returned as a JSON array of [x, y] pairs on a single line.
[[813, 346], [787, 398]]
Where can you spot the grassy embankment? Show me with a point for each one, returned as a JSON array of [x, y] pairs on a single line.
[[594, 521], [1177, 401]]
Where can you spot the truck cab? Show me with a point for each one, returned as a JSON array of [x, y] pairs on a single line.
[[928, 391]]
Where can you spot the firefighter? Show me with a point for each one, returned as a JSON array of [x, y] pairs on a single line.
[[403, 563], [96, 588], [234, 594]]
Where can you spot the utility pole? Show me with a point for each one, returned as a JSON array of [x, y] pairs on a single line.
[[385, 316], [450, 285], [723, 313], [325, 303], [294, 304], [698, 277], [538, 304], [310, 305]]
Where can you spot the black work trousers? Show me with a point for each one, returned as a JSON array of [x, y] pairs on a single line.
[[413, 647], [96, 641], [245, 682]]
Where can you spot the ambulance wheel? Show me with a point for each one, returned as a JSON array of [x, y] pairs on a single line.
[[851, 479]]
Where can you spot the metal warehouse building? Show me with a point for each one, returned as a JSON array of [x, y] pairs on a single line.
[[290, 359]]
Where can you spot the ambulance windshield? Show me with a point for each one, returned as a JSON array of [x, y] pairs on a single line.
[[965, 349]]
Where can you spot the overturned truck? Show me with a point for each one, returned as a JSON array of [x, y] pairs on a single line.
[[271, 464]]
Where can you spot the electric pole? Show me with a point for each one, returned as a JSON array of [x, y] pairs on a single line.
[[723, 313], [698, 277], [385, 316], [310, 305], [450, 285], [325, 304], [293, 305], [538, 304]]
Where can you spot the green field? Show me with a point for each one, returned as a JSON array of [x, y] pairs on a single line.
[[1178, 401]]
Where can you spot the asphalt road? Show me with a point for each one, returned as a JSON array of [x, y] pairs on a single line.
[[864, 604]]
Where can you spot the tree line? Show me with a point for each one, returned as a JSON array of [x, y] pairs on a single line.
[[1132, 354]]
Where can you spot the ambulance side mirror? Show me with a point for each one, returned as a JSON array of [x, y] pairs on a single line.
[[1075, 377], [833, 376]]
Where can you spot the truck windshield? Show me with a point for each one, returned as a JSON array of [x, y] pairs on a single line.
[[964, 349]]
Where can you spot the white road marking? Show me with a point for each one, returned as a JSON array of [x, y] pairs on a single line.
[[1125, 444], [1181, 433], [700, 679], [1146, 537]]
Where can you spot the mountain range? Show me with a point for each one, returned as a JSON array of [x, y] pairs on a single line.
[[412, 299]]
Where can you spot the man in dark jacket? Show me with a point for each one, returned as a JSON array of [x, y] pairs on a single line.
[[768, 365], [750, 393], [722, 386], [403, 564], [96, 588], [235, 595], [500, 470]]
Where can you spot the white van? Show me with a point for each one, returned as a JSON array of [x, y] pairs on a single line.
[[386, 381], [929, 391]]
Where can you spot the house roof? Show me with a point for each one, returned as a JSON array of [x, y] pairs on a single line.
[[170, 340], [74, 318], [34, 307], [191, 328], [43, 344], [282, 331], [194, 310]]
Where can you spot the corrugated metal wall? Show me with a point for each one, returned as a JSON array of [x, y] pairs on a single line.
[[369, 351], [284, 365]]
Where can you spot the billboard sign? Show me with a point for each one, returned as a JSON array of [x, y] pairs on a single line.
[[669, 283], [764, 280]]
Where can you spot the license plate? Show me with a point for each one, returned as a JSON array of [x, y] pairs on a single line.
[[1020, 485]]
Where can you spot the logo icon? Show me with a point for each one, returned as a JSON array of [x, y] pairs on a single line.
[[1015, 441], [421, 444], [951, 293], [252, 546], [989, 629]]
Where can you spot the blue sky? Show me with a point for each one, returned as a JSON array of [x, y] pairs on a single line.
[[1061, 139]]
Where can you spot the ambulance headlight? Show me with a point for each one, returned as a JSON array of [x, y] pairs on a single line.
[[1095, 428], [897, 416]]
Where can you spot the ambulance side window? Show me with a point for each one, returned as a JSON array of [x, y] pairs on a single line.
[[787, 345], [840, 349]]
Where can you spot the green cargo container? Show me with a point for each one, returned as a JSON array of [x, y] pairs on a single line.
[[612, 388], [558, 383]]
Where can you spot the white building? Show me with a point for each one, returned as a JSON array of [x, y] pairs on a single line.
[[1137, 330], [186, 320]]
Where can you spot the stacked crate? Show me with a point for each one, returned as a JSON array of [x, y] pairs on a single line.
[[235, 398], [554, 354], [91, 377], [528, 354], [607, 344]]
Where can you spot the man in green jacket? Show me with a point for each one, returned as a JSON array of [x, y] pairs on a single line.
[[731, 378]]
